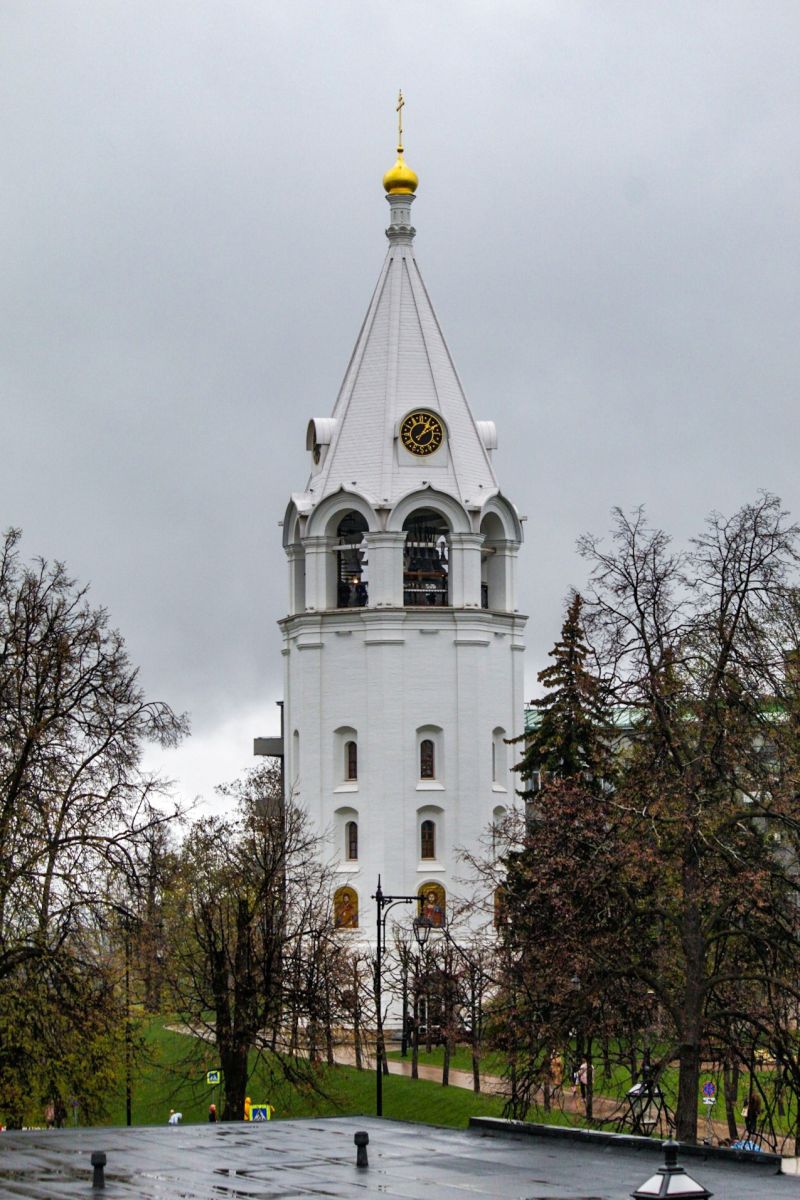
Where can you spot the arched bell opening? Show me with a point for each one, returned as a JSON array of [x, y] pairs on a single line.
[[352, 583], [425, 560], [493, 581]]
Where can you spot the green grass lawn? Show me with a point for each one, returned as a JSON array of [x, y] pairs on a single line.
[[171, 1073], [617, 1082], [461, 1060], [172, 1068]]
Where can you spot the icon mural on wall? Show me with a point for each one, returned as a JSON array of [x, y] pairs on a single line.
[[500, 907], [345, 908], [433, 905]]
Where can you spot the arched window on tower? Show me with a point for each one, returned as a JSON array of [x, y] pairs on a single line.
[[499, 760], [498, 828], [296, 760], [351, 760], [431, 832], [351, 568], [425, 558], [427, 839], [351, 841], [427, 759]]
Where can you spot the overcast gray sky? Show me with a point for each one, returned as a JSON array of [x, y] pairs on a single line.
[[192, 223]]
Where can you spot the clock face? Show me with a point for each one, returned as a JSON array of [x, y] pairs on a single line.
[[421, 432]]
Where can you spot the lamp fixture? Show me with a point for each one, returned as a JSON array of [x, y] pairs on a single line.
[[671, 1180]]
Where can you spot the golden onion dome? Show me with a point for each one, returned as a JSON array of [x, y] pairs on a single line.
[[400, 179]]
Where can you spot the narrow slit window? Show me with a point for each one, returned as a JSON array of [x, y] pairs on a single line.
[[351, 760], [428, 840], [426, 759], [351, 840]]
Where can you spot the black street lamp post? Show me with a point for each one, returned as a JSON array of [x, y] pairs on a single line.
[[127, 919], [128, 1030], [645, 1100], [405, 953], [383, 904]]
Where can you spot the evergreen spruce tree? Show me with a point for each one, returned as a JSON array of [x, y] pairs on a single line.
[[563, 879], [572, 733]]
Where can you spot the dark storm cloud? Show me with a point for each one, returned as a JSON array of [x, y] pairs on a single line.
[[192, 223]]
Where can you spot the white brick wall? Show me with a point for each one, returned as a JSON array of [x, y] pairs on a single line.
[[385, 674]]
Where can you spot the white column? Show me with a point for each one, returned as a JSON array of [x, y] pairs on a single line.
[[319, 573], [503, 575], [385, 556], [465, 569], [297, 569]]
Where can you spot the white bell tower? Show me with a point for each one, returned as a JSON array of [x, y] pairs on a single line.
[[402, 644]]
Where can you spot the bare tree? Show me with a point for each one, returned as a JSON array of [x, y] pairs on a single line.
[[356, 996], [669, 884], [252, 899], [74, 801], [700, 647], [73, 721]]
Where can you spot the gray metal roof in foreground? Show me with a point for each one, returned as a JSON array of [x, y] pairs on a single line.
[[317, 1158]]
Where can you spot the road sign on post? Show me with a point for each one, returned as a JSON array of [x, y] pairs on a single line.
[[261, 1112], [212, 1078]]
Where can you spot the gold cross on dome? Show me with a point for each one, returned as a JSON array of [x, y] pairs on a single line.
[[400, 104]]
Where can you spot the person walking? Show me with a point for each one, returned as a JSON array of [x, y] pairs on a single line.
[[212, 1113], [582, 1078], [751, 1113], [556, 1074]]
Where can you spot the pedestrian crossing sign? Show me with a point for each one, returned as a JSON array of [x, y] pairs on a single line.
[[212, 1077], [261, 1112]]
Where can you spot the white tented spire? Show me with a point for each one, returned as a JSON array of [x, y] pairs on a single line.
[[401, 363]]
